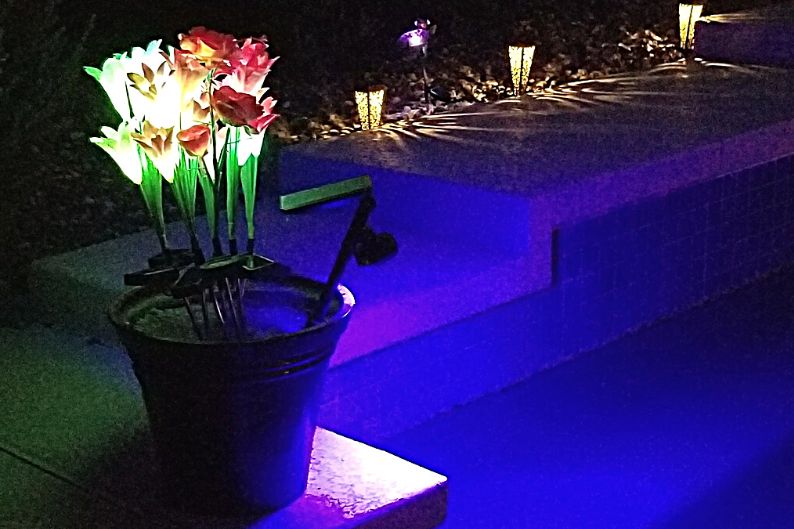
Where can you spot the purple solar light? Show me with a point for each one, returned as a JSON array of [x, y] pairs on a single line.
[[415, 37], [419, 36]]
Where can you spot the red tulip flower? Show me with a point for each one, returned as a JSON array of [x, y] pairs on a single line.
[[209, 47], [234, 108], [195, 140], [261, 122]]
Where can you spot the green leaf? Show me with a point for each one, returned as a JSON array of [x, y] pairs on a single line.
[[93, 72], [248, 179], [232, 181], [208, 192]]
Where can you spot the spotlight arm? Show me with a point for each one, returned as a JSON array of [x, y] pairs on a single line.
[[357, 227], [300, 200]]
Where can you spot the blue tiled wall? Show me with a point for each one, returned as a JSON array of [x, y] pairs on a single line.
[[612, 274], [643, 261]]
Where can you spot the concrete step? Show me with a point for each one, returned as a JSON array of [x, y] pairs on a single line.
[[759, 36], [75, 452]]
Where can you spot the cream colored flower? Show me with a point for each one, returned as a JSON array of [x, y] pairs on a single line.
[[161, 146], [190, 75], [124, 151], [196, 112]]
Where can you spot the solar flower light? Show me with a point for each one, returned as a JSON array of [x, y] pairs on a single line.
[[369, 103], [688, 15], [521, 56], [418, 40], [223, 347]]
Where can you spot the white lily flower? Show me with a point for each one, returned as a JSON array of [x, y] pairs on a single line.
[[155, 94], [152, 56], [123, 149], [113, 79], [165, 110]]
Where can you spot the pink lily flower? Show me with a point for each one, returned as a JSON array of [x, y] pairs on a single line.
[[246, 72]]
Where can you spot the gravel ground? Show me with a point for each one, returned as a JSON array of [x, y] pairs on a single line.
[[61, 193]]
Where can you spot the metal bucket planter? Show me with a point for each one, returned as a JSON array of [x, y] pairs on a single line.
[[233, 420]]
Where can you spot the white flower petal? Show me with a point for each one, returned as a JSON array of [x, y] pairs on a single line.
[[249, 145]]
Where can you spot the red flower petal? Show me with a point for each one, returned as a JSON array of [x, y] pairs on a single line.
[[195, 140]]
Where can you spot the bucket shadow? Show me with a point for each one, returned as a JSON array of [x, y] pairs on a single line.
[[124, 474], [127, 476]]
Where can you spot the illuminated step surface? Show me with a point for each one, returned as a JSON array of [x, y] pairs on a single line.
[[507, 175], [759, 36], [75, 453]]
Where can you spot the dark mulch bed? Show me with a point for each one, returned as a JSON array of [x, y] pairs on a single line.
[[59, 192]]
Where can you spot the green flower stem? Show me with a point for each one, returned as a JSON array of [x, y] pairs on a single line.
[[208, 192], [217, 250], [159, 231], [184, 189], [232, 187], [248, 180], [152, 192]]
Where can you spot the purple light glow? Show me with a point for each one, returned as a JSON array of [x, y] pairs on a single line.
[[415, 38], [418, 37], [349, 482], [267, 318]]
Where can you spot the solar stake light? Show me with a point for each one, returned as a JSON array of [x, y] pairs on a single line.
[[419, 39], [520, 63], [370, 106], [688, 15]]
